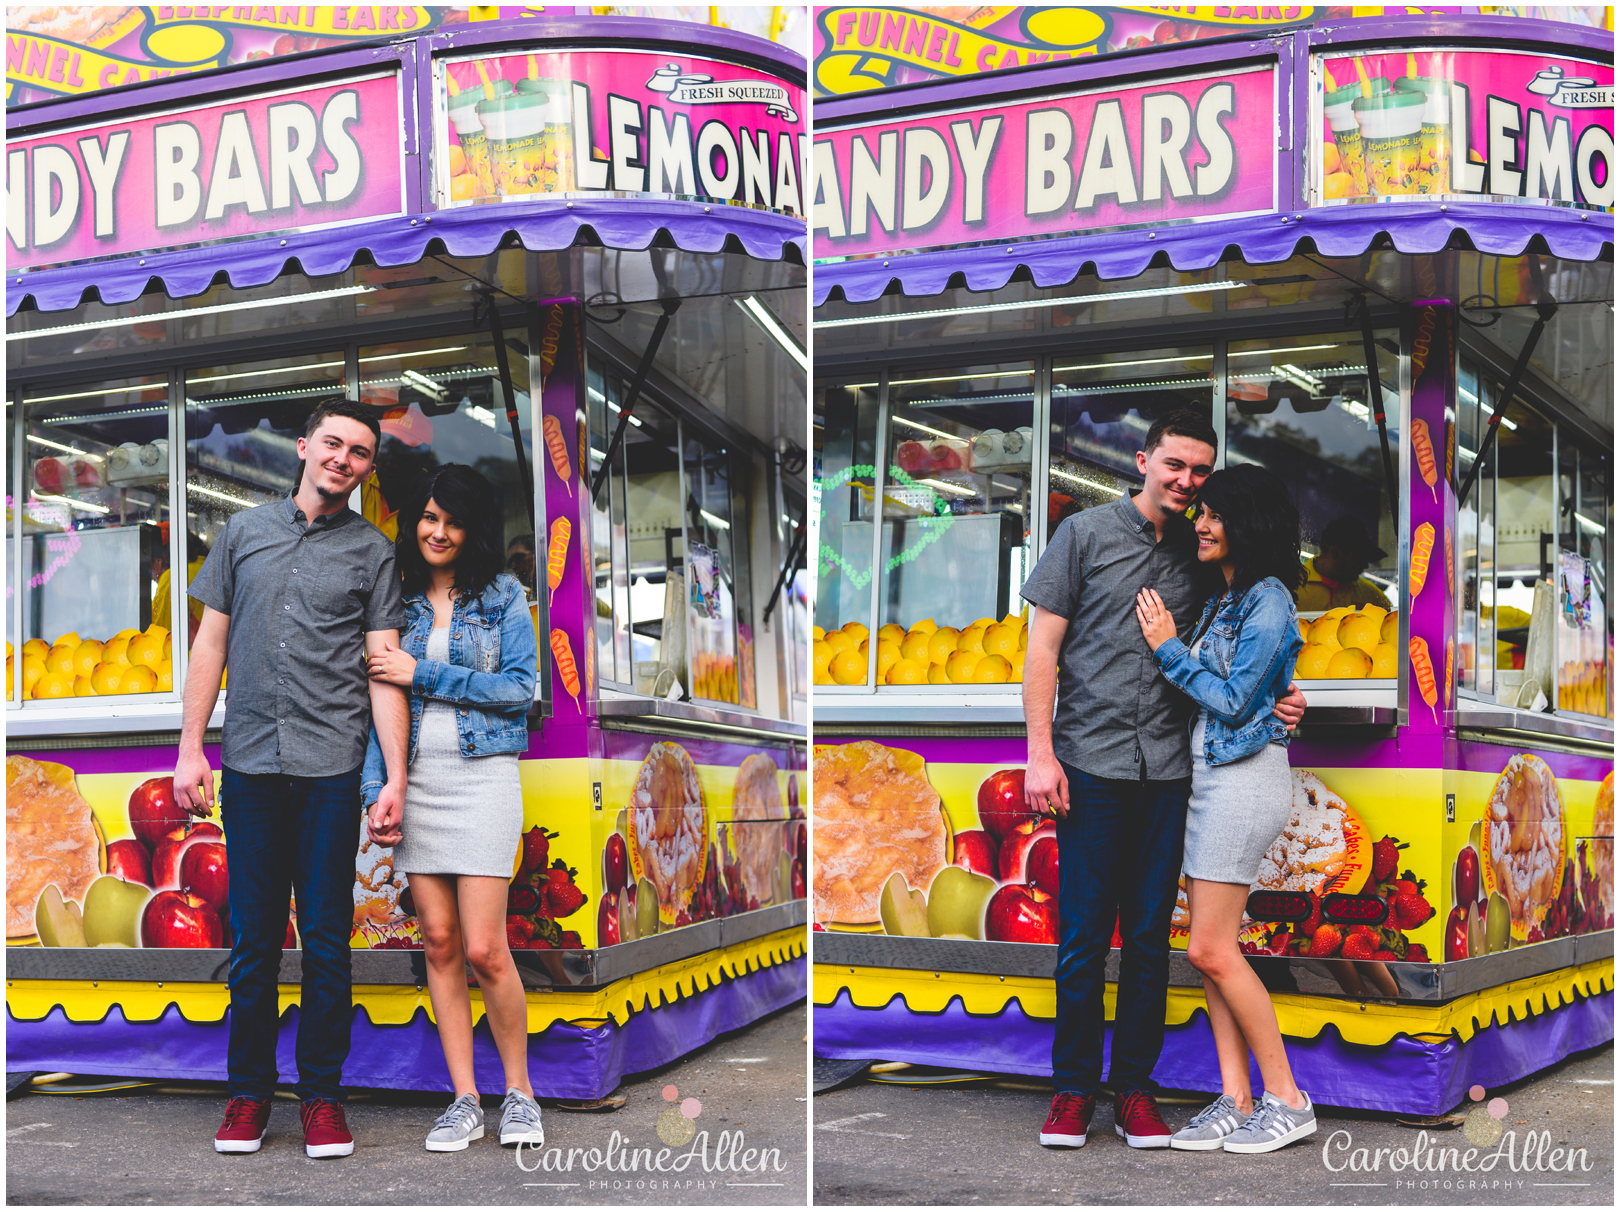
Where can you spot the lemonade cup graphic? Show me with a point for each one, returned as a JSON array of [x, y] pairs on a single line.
[[554, 162], [1339, 107], [1391, 140], [517, 129], [1434, 169], [470, 131]]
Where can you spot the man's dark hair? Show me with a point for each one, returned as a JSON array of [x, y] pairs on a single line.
[[1261, 523], [339, 406], [471, 502], [1184, 423], [525, 541]]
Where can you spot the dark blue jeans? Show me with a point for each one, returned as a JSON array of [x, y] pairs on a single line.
[[1119, 850], [298, 836]]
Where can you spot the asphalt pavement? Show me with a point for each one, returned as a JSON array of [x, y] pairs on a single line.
[[976, 1144], [155, 1146]]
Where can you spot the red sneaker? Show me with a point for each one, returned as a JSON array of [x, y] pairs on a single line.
[[1066, 1123], [326, 1134], [1137, 1119], [244, 1125]]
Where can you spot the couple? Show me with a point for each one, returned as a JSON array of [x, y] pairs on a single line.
[[1136, 806], [294, 593]]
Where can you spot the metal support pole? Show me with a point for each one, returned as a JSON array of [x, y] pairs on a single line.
[[1375, 399], [504, 366], [1546, 309], [634, 390]]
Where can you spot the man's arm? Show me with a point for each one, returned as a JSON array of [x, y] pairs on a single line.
[[391, 716], [207, 663], [1045, 786]]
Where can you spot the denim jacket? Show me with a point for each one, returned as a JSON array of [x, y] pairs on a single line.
[[490, 675], [1241, 670]]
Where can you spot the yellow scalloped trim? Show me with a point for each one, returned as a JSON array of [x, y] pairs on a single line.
[[1299, 1015], [394, 1005]]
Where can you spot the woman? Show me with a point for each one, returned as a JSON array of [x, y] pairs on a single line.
[[1242, 654], [467, 658]]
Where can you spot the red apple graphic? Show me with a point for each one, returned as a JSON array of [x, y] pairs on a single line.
[[129, 860], [1019, 915], [1042, 865], [976, 851], [798, 878], [1467, 881], [1001, 803], [175, 919], [203, 872], [615, 862], [290, 943], [166, 854], [153, 811], [1015, 848], [1457, 934], [607, 919]]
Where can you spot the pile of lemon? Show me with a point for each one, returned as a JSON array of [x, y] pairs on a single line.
[[132, 662], [1349, 643], [986, 651]]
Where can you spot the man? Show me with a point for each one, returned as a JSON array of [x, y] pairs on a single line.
[[520, 561], [1334, 578], [1116, 768], [293, 592]]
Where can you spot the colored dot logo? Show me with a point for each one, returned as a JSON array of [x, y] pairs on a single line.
[[675, 1127], [1483, 1127]]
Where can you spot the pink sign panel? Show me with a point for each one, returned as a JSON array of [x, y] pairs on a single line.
[[1509, 124], [296, 159], [1195, 148], [514, 127]]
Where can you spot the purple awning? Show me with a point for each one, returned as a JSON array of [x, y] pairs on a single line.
[[1339, 231], [696, 227]]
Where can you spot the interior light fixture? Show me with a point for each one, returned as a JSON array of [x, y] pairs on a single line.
[[221, 496], [1137, 362], [85, 506], [436, 390], [1594, 527], [84, 395], [952, 488], [719, 523], [96, 418], [910, 424], [72, 450], [192, 312], [1031, 304], [259, 374], [766, 319], [1064, 475], [1253, 353], [988, 374]]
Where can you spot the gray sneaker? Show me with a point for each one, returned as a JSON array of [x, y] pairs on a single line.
[[1273, 1125], [462, 1122], [1210, 1127], [520, 1120]]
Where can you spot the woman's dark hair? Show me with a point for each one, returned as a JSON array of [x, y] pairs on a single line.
[[1261, 522], [469, 499]]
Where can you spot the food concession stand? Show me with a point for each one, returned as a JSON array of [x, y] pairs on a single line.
[[566, 250], [1378, 254]]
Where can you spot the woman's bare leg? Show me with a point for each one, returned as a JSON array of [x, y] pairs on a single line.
[[439, 919], [1217, 911], [483, 922]]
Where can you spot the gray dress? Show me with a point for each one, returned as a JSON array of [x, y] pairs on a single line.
[[1236, 811], [463, 816]]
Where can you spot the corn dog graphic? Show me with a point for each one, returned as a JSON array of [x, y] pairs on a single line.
[[1423, 448], [1451, 568], [557, 554], [1422, 548], [1421, 665], [563, 651], [555, 443], [1451, 653]]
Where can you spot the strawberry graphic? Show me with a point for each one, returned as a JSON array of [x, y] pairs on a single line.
[[536, 848], [1410, 910], [1405, 888], [516, 940], [559, 895], [1386, 956], [1307, 928], [1358, 947], [538, 944], [513, 921], [570, 940], [1386, 857], [1325, 941], [1417, 953]]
